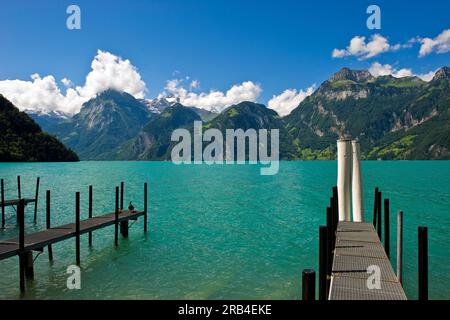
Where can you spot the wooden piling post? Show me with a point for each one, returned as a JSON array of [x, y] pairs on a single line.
[[3, 202], [36, 199], [77, 227], [336, 211], [19, 190], [124, 228], [400, 246], [323, 262], [21, 218], [375, 207], [90, 213], [116, 221], [387, 246], [121, 195], [423, 263], [145, 207], [29, 269], [379, 215], [308, 284], [329, 238], [48, 222]]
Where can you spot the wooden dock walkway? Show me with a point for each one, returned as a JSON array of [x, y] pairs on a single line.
[[37, 241], [357, 247]]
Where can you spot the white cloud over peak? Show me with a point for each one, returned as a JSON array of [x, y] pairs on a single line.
[[214, 100], [42, 94], [440, 44], [287, 101], [377, 69], [358, 47]]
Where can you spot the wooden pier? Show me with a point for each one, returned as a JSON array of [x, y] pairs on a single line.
[[357, 248], [24, 245]]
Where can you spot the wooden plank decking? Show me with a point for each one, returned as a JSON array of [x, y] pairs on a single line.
[[15, 202], [38, 240], [358, 247]]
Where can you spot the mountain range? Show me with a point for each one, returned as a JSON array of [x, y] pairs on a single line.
[[393, 118]]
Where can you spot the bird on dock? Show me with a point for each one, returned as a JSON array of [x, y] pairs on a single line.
[[131, 207]]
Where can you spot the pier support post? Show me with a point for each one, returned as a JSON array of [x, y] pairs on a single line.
[[19, 189], [336, 209], [344, 150], [3, 202], [77, 227], [379, 215], [29, 269], [21, 218], [357, 190], [400, 246], [124, 228], [423, 263], [121, 195], [116, 219], [387, 246], [36, 197], [330, 238], [308, 284], [48, 222], [145, 207], [375, 207], [323, 262], [90, 213]]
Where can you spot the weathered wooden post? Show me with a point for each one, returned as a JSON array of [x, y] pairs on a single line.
[[21, 218], [48, 222], [77, 227], [121, 195], [375, 207], [19, 190], [145, 207], [36, 197], [90, 213], [116, 219], [336, 210], [123, 224], [3, 202], [308, 284], [29, 268], [323, 262], [400, 246], [387, 247], [379, 215], [330, 229], [423, 263]]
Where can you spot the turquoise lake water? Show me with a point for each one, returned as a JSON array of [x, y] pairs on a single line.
[[217, 232]]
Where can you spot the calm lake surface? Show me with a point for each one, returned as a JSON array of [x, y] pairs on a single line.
[[217, 232]]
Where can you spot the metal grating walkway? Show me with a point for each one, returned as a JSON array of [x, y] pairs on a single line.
[[357, 248]]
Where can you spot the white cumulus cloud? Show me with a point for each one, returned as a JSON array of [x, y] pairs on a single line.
[[287, 101], [363, 49], [377, 69], [42, 94], [214, 100], [440, 44]]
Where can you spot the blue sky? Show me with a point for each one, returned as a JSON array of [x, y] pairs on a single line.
[[277, 44]]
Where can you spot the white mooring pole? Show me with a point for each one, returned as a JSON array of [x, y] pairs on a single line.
[[357, 191], [344, 150]]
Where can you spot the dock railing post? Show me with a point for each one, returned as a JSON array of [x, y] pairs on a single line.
[[116, 219], [77, 227], [121, 195], [423, 263], [308, 284], [323, 262], [19, 191], [379, 216], [22, 256], [3, 202], [48, 221], [400, 246], [375, 209], [387, 246], [90, 213], [36, 199], [145, 207]]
